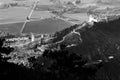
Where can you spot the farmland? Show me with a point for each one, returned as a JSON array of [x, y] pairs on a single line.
[[12, 18], [40, 26]]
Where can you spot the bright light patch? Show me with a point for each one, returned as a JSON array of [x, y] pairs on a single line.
[[111, 57]]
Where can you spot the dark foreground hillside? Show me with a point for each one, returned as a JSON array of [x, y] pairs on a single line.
[[79, 62]]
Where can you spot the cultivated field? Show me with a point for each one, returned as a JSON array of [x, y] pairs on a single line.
[[13, 28], [49, 25], [12, 18]]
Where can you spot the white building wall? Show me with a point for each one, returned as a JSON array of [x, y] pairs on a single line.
[[92, 19]]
